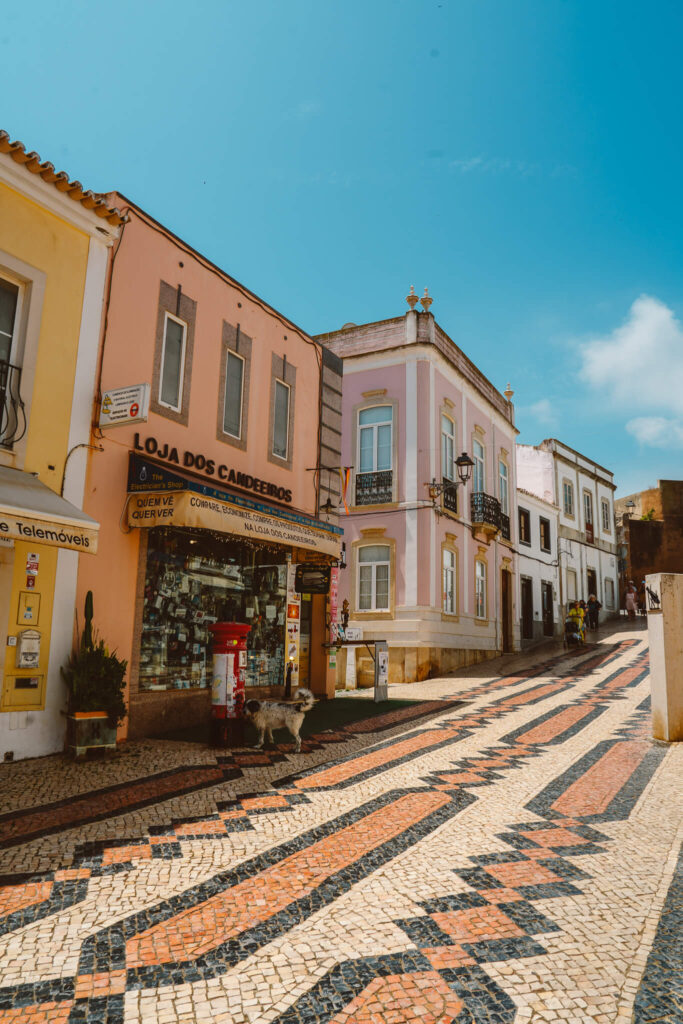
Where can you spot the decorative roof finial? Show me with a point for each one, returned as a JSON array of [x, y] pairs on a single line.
[[425, 301], [508, 392], [412, 298]]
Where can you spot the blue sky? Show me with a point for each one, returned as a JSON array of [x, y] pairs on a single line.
[[521, 158]]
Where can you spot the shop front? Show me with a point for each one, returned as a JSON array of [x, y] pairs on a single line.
[[210, 556]]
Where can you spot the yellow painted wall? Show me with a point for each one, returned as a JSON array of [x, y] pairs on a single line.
[[43, 240]]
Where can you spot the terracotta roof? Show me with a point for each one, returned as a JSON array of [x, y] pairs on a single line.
[[60, 179]]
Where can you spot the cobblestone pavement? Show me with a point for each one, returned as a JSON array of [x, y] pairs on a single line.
[[505, 852]]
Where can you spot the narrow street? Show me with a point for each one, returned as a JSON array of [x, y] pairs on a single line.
[[503, 852]]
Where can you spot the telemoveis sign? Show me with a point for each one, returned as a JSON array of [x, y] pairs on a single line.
[[54, 534]]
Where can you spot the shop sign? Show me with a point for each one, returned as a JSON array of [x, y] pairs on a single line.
[[122, 406], [312, 579], [293, 626], [334, 603], [20, 527], [199, 463]]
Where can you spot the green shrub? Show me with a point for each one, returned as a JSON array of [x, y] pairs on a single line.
[[94, 675]]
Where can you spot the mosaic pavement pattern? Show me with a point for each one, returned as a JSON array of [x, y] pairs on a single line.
[[511, 859]]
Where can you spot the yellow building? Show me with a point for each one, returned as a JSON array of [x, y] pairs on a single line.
[[55, 239]]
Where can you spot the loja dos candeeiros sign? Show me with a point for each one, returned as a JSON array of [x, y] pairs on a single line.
[[199, 463]]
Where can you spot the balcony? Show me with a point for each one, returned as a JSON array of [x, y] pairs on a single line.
[[374, 488], [12, 414], [505, 526], [486, 516], [450, 496]]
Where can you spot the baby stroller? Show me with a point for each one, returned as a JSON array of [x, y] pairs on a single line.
[[572, 632]]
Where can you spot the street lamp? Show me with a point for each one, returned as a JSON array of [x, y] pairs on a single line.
[[464, 466]]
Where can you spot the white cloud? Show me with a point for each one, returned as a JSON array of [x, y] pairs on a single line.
[[657, 431], [543, 412], [639, 368]]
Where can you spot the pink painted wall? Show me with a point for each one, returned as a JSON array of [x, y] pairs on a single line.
[[145, 258]]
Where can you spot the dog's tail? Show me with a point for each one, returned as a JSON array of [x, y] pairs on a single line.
[[306, 698]]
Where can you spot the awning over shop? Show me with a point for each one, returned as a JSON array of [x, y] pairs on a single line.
[[178, 501], [31, 511]]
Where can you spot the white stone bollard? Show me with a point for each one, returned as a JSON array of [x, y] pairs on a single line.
[[665, 628]]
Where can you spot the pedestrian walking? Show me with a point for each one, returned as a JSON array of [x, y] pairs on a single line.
[[593, 611], [631, 600]]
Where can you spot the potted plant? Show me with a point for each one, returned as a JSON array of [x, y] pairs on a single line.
[[94, 676]]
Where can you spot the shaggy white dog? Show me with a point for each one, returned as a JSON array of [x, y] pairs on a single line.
[[274, 714]]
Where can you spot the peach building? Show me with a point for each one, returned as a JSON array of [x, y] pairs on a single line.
[[432, 567], [206, 488]]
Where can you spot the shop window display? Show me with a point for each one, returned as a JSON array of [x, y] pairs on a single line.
[[195, 578]]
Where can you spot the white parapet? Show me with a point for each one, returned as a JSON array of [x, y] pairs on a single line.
[[665, 628]]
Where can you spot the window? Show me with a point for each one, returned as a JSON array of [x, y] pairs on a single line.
[[281, 420], [234, 385], [568, 498], [478, 474], [172, 363], [571, 585], [480, 590], [9, 301], [587, 507], [524, 526], [448, 575], [374, 439], [373, 577], [605, 516], [544, 525], [609, 593], [447, 448], [503, 487]]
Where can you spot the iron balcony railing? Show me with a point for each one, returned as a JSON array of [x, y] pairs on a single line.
[[12, 413], [505, 526], [374, 488], [450, 496], [485, 509]]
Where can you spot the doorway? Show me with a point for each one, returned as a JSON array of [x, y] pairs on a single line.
[[527, 608], [547, 609], [592, 580], [506, 611]]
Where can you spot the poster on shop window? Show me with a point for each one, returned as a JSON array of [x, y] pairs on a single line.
[[293, 626]]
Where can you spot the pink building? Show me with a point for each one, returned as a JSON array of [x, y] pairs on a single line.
[[434, 576], [205, 488]]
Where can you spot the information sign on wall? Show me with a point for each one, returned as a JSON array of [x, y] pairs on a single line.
[[125, 405]]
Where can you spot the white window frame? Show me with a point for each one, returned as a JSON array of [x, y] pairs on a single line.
[[479, 461], [181, 377], [284, 384], [374, 427], [480, 589], [588, 507], [572, 575], [235, 355], [448, 471], [606, 526], [568, 492], [609, 593], [17, 314], [503, 487], [449, 582], [373, 578]]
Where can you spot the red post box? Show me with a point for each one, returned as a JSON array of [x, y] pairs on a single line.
[[229, 677]]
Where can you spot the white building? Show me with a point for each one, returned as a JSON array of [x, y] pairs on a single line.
[[538, 529], [584, 492]]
